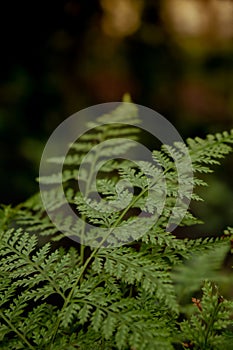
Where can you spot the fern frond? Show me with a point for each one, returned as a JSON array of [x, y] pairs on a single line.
[[207, 327], [208, 151], [79, 297]]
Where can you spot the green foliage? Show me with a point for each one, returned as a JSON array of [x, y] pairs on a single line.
[[208, 328], [56, 295]]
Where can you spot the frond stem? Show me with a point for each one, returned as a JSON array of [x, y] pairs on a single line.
[[20, 335]]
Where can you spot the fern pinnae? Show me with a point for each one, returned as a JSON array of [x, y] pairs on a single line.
[[94, 252], [20, 335], [83, 269], [109, 298], [106, 131], [37, 262], [110, 231]]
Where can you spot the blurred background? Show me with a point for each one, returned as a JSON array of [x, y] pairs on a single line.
[[57, 57]]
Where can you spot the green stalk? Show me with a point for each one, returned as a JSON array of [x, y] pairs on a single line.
[[210, 325], [20, 335]]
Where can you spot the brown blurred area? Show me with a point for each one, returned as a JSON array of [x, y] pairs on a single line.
[[174, 56]]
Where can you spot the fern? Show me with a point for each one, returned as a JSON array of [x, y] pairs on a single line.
[[207, 328], [92, 292]]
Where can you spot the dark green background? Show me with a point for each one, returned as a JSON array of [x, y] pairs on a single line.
[[56, 59]]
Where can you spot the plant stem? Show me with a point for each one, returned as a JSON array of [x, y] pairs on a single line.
[[87, 191], [210, 325], [20, 335]]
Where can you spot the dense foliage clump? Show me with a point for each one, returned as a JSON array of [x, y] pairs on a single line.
[[93, 293]]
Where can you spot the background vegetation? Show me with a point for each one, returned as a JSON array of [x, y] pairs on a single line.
[[58, 57]]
